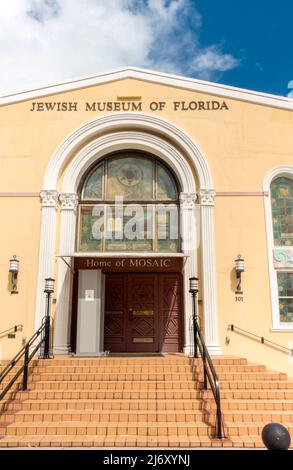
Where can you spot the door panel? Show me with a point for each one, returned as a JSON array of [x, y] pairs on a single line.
[[115, 308], [170, 312], [142, 324]]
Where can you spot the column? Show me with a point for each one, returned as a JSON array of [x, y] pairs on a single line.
[[49, 200], [208, 256], [188, 224], [69, 203]]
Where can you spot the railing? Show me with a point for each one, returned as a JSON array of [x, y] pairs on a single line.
[[11, 330], [261, 338], [27, 356], [210, 376]]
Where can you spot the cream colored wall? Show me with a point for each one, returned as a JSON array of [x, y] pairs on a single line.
[[241, 146], [19, 235]]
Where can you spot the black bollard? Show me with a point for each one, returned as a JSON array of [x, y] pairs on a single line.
[[276, 437]]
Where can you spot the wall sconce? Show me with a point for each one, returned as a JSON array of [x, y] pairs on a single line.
[[13, 269], [239, 268]]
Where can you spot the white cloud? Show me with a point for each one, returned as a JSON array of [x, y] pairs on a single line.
[[290, 86], [212, 61], [43, 41]]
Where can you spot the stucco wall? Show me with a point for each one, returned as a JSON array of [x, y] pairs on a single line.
[[241, 145]]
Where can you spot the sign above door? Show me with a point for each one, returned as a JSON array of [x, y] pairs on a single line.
[[130, 264]]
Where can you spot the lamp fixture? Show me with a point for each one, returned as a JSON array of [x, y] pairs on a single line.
[[239, 268], [193, 285], [49, 285], [49, 289], [13, 269]]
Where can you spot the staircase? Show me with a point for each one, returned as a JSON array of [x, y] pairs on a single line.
[[146, 401]]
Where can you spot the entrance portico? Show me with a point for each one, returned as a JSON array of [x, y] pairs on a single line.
[[71, 161]]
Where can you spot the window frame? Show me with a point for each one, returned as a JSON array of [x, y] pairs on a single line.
[[287, 172]]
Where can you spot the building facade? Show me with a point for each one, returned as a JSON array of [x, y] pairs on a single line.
[[124, 185]]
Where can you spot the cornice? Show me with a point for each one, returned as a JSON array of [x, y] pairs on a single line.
[[151, 76]]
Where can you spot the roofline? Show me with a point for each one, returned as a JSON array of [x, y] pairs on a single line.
[[224, 91]]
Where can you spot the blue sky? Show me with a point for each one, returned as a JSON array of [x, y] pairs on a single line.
[[242, 43], [259, 33]]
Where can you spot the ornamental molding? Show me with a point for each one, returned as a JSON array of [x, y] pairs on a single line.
[[283, 258], [149, 127], [49, 198], [69, 201], [187, 200], [207, 197]]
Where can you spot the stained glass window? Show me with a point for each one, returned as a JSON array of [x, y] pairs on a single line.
[[130, 177], [282, 216], [93, 187], [166, 185], [282, 210], [285, 289], [129, 202]]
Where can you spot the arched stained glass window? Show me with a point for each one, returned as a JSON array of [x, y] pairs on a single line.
[[129, 202], [282, 216], [93, 187], [282, 210]]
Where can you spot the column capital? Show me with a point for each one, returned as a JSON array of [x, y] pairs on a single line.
[[187, 200], [69, 201], [207, 197], [49, 198]]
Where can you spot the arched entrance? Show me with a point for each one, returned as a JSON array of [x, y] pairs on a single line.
[[129, 206], [173, 147]]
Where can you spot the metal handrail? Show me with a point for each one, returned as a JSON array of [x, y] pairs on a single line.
[[262, 339], [24, 352], [12, 329], [211, 376]]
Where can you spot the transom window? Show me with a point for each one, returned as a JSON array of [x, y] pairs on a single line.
[[129, 202]]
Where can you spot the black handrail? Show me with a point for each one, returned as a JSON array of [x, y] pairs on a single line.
[[12, 329], [211, 376], [262, 339], [24, 352]]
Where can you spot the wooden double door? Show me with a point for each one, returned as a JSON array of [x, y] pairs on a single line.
[[143, 312]]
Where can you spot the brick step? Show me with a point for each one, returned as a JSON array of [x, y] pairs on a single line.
[[90, 428], [236, 368], [266, 416], [117, 361], [130, 368], [257, 405], [250, 429], [155, 384], [121, 441], [154, 376], [252, 394], [84, 404], [104, 416], [111, 369], [112, 385], [221, 361], [105, 394], [249, 376], [256, 384], [133, 361]]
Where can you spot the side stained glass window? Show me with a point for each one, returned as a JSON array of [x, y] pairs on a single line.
[[282, 216], [282, 211]]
